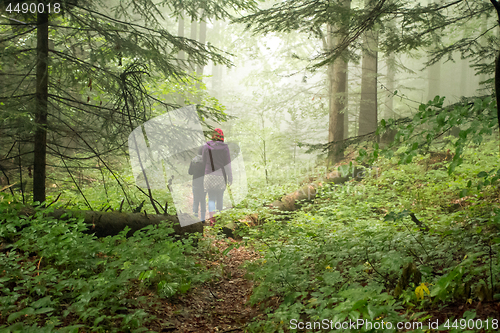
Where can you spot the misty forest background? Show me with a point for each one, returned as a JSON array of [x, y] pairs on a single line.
[[369, 131]]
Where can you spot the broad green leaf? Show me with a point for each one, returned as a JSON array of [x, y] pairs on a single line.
[[229, 248]]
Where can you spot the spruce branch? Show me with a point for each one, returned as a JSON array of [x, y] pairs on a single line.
[[98, 155], [17, 35]]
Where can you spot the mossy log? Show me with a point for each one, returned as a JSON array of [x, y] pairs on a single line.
[[104, 224], [291, 202]]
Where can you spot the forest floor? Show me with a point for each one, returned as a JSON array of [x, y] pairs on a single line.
[[219, 305], [410, 244], [314, 256]]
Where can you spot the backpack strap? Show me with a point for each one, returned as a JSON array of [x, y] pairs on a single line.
[[213, 168], [211, 159]]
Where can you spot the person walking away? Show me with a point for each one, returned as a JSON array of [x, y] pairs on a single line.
[[197, 169], [217, 160]]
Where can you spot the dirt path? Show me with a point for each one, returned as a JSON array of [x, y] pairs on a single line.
[[216, 306]]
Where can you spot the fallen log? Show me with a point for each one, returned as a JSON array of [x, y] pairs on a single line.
[[291, 202], [104, 224]]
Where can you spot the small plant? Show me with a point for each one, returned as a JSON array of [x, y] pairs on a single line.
[[54, 275]]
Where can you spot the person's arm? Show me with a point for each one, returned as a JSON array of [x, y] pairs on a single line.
[[205, 157], [190, 171]]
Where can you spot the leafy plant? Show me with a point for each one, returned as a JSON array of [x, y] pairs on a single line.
[[54, 275]]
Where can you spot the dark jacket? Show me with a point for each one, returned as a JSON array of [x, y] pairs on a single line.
[[221, 158], [197, 169]]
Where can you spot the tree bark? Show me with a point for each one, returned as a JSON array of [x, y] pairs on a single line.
[[181, 56], [484, 43], [337, 105], [368, 105], [497, 87], [104, 224], [192, 35], [391, 75], [389, 135], [346, 109], [496, 4], [434, 79], [40, 139], [464, 77], [337, 83], [216, 69], [202, 39], [293, 201]]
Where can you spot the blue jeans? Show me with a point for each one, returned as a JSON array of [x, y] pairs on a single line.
[[199, 196], [215, 198]]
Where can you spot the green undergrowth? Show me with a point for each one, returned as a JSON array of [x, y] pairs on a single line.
[[54, 277], [399, 246]]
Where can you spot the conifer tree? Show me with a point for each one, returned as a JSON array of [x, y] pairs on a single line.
[[368, 103], [94, 66], [496, 4], [404, 26]]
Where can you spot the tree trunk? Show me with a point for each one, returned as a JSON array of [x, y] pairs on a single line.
[[464, 85], [216, 80], [497, 68], [391, 75], [181, 56], [264, 152], [293, 201], [434, 80], [337, 104], [389, 113], [337, 88], [192, 35], [216, 69], [202, 40], [104, 224], [484, 42], [40, 139], [497, 86], [368, 105], [464, 77], [497, 71], [203, 37], [346, 109]]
